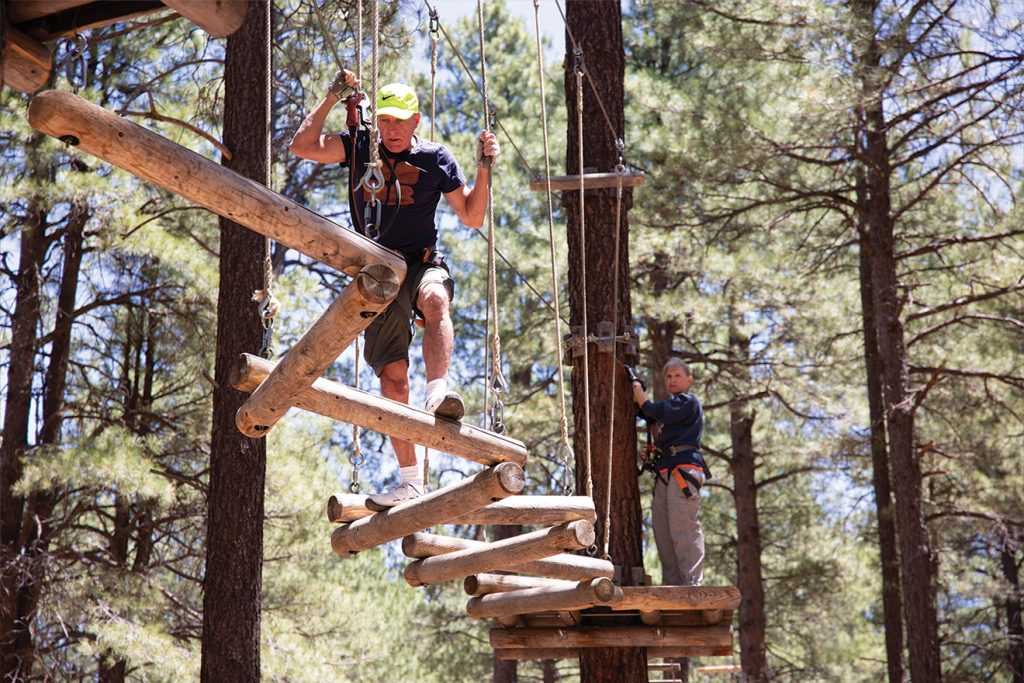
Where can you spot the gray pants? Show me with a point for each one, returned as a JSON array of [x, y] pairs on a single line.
[[677, 532]]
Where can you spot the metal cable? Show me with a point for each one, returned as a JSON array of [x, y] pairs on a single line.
[[579, 69], [620, 171]]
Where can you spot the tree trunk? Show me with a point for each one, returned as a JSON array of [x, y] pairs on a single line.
[[917, 560], [505, 670], [17, 572], [892, 604], [1013, 605], [598, 28], [234, 553]]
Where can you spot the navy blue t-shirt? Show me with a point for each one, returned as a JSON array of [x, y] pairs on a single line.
[[682, 420], [425, 172]]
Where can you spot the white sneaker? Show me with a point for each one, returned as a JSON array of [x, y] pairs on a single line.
[[400, 494], [448, 405]]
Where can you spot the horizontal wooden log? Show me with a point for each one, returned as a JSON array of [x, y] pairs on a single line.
[[347, 507], [503, 554], [362, 300], [436, 507], [710, 637], [63, 18], [591, 181], [653, 598], [668, 666], [651, 618], [544, 599], [26, 62], [219, 18], [563, 566], [335, 400], [177, 169], [486, 584], [538, 510], [26, 10], [522, 654], [719, 669]]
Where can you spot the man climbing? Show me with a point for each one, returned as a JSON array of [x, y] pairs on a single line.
[[401, 216], [679, 474]]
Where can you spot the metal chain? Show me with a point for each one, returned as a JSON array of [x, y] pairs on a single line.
[[620, 171], [75, 61], [566, 449], [579, 69], [356, 457], [268, 305]]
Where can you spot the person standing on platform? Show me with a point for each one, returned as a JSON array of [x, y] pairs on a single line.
[[677, 424]]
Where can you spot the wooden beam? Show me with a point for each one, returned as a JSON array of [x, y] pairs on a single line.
[[486, 584], [653, 598], [502, 554], [177, 169], [26, 62], [362, 300], [563, 566], [591, 181], [74, 17], [668, 666], [21, 11], [335, 400], [219, 18], [580, 596], [720, 669], [343, 508], [437, 507], [574, 653], [539, 510], [707, 637]]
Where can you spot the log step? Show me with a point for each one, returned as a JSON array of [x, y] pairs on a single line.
[[525, 510], [505, 554], [561, 566], [591, 181], [544, 598], [436, 507], [335, 400]]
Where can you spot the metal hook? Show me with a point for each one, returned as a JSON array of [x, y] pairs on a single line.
[[577, 64], [435, 22]]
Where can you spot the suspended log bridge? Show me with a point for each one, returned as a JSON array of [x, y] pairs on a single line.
[[335, 400], [525, 510], [504, 554], [437, 507], [560, 566], [164, 163]]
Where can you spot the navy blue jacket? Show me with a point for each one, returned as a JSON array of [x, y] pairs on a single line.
[[682, 420]]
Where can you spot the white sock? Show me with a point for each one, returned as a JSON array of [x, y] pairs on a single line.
[[436, 389], [413, 474]]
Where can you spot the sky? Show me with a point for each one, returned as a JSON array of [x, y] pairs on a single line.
[[550, 18]]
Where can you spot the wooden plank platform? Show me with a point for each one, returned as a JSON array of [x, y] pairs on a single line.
[[335, 400], [522, 654], [591, 181], [707, 640]]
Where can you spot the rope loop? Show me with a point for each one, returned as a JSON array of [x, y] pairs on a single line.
[[565, 455]]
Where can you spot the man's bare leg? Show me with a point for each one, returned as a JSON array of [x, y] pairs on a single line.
[[394, 384], [438, 339]]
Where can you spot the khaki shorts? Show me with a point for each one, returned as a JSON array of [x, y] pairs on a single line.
[[388, 337]]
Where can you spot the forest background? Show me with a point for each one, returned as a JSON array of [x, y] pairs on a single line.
[[748, 251]]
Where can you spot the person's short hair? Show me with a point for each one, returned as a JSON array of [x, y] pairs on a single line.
[[677, 363]]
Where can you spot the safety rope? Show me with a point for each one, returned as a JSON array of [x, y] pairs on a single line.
[[373, 179], [498, 385], [327, 35], [565, 449], [620, 171], [267, 304], [435, 22], [359, 40], [579, 69]]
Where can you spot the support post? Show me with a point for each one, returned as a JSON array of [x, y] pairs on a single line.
[[25, 61], [362, 300], [503, 554], [437, 507], [332, 399], [563, 566], [545, 599], [167, 164]]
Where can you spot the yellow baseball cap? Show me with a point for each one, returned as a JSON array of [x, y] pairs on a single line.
[[398, 100]]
